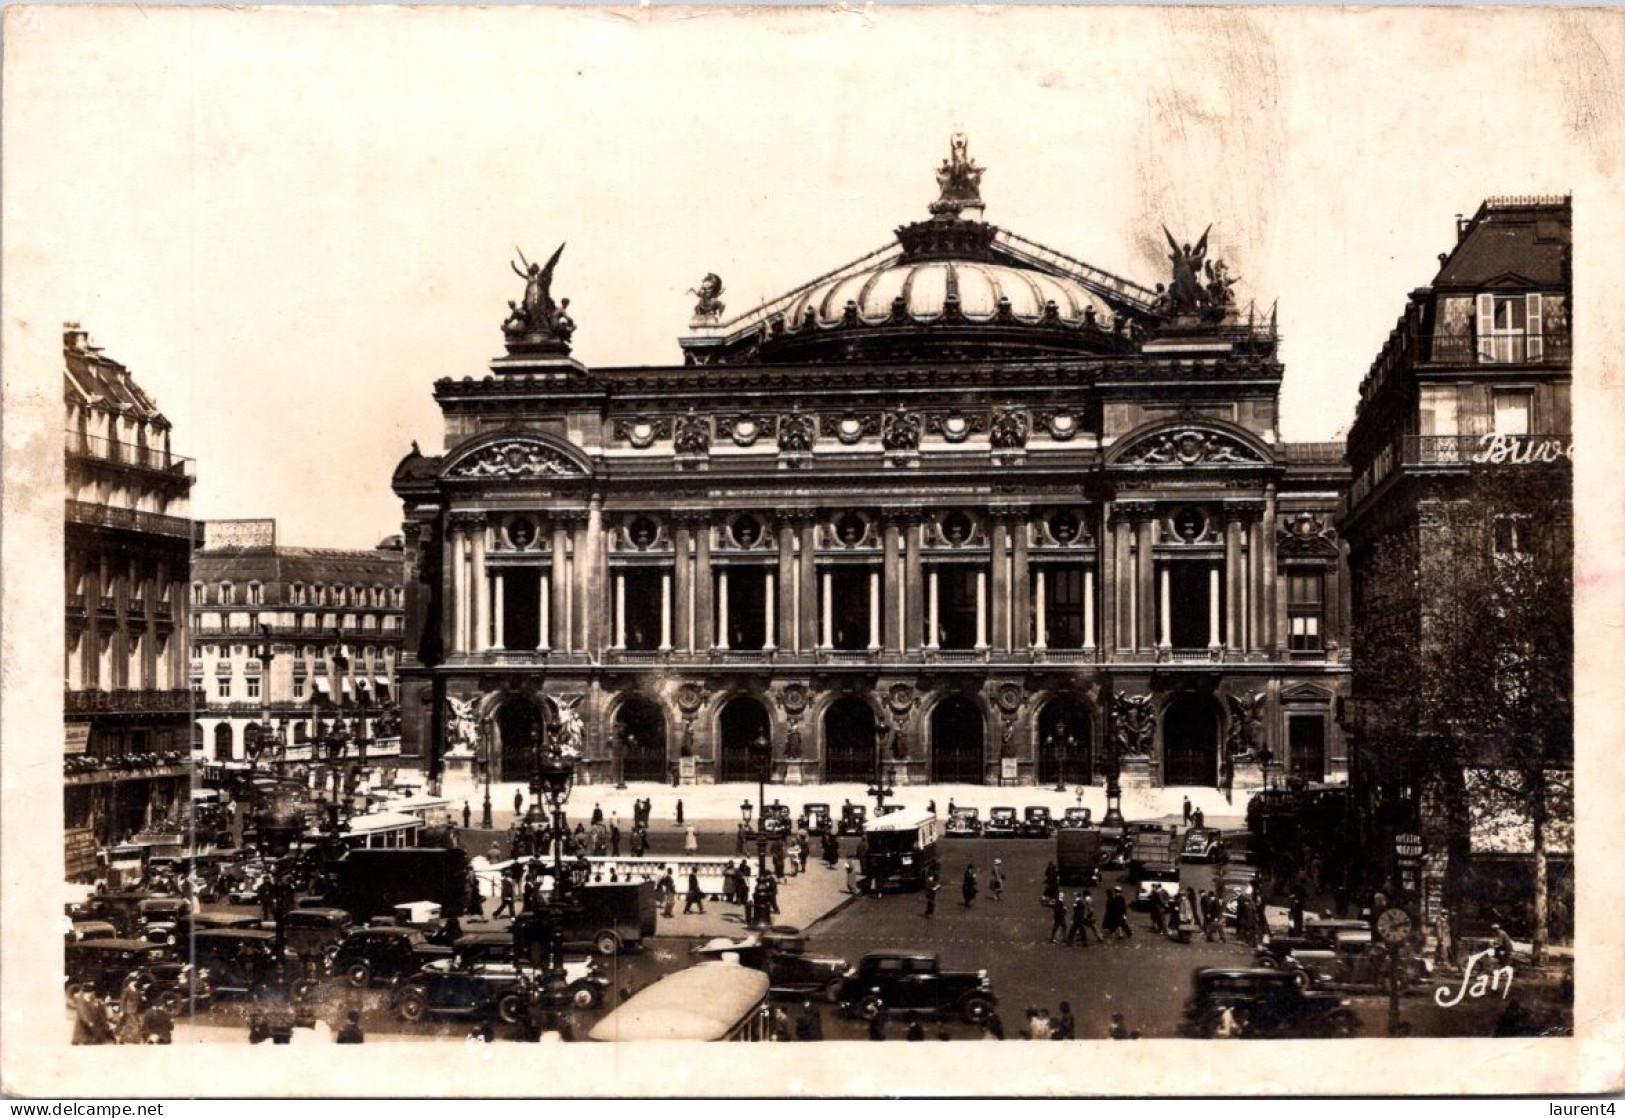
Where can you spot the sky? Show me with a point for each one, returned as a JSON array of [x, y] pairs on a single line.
[[289, 223]]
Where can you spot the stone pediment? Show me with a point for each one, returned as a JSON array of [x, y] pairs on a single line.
[[1188, 445], [516, 456]]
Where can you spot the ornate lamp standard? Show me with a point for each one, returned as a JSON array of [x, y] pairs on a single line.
[[1114, 786], [761, 757], [485, 764], [541, 929]]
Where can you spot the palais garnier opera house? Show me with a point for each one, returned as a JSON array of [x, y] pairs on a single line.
[[965, 510]]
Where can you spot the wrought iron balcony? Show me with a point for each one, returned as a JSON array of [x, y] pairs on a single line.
[[134, 520], [133, 455], [1468, 348]]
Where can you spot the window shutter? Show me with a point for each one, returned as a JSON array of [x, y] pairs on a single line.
[[1537, 344], [1486, 327]]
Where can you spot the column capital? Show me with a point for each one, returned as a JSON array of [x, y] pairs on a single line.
[[901, 515], [692, 517], [1007, 511], [1241, 512], [573, 518], [795, 516], [1133, 512], [467, 519]]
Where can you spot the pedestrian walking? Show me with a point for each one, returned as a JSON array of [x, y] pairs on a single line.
[[518, 804], [679, 811], [695, 898], [803, 849], [614, 840], [778, 860], [931, 806], [809, 1022], [1052, 881], [968, 887], [691, 841], [597, 815], [1198, 819], [1116, 920], [741, 837], [1442, 952], [771, 888], [1077, 932], [995, 881], [932, 885], [877, 1026], [1187, 810], [350, 1032], [468, 815], [1038, 1024], [1158, 906], [1057, 912], [1295, 912], [916, 1030], [1066, 1026], [851, 878], [1118, 1030], [667, 889]]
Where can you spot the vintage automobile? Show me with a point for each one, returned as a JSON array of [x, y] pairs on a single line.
[[82, 930], [913, 982], [200, 921], [1157, 877], [237, 960], [1036, 822], [174, 986], [1318, 935], [853, 817], [1203, 844], [484, 990], [1234, 882], [102, 965], [1262, 1003], [1353, 962], [782, 954], [1076, 818], [369, 954], [122, 910], [964, 822], [815, 818], [159, 916], [316, 931], [1002, 822]]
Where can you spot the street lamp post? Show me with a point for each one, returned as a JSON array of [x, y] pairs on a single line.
[[761, 755], [485, 762], [552, 776]]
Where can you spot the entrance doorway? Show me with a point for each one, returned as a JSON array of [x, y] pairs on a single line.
[[640, 728], [849, 740], [1306, 746], [957, 737], [518, 726], [1064, 743], [742, 721], [1189, 584], [1190, 741]]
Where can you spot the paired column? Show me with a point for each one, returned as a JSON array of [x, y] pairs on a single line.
[[826, 632], [892, 575], [1041, 630], [914, 591], [1234, 627], [999, 553], [722, 608], [620, 612], [1165, 614], [1110, 575], [544, 603], [479, 585], [682, 561], [1021, 595], [807, 572], [1275, 625], [556, 614], [665, 611], [1254, 586], [705, 637], [1213, 607], [1145, 569], [787, 582], [874, 610], [498, 608], [981, 609], [459, 589], [931, 610], [769, 613], [1089, 607]]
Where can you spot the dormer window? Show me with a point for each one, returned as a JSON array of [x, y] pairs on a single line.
[[1509, 328]]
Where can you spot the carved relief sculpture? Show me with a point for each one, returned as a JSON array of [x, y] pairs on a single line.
[[1134, 724], [515, 458], [900, 431], [1008, 430], [709, 291], [1189, 447], [693, 434], [796, 433]]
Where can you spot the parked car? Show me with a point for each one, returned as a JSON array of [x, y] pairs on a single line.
[[815, 818], [1353, 962], [1078, 854], [1203, 844], [102, 965], [1076, 818], [1002, 822], [964, 822], [122, 910], [316, 931], [1036, 822], [1160, 877], [237, 960], [853, 817], [485, 990], [1262, 1003], [913, 982], [369, 954], [192, 922], [91, 929], [782, 954], [158, 917], [177, 987]]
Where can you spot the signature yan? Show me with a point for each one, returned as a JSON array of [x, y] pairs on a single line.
[[1476, 985]]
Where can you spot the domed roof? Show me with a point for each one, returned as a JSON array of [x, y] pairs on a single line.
[[921, 292], [950, 285]]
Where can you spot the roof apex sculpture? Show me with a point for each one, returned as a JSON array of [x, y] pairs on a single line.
[[960, 180], [537, 324]]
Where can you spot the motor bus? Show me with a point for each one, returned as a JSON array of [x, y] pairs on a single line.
[[706, 1002], [900, 848]]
